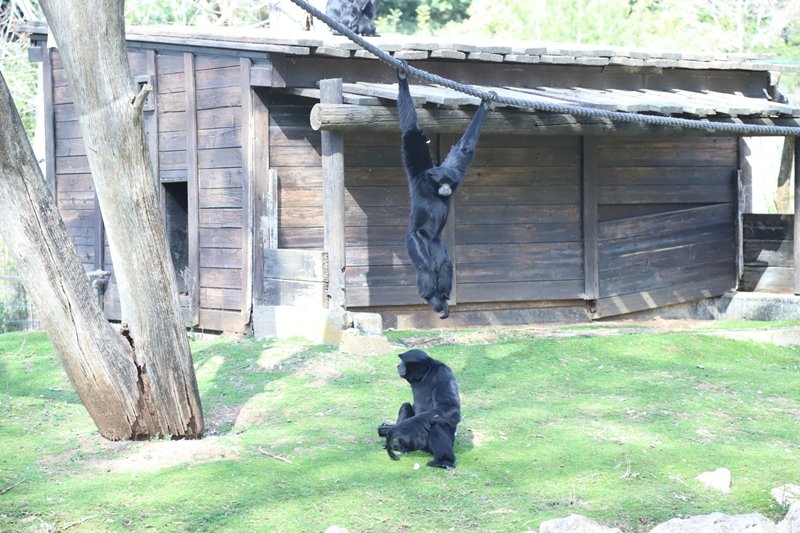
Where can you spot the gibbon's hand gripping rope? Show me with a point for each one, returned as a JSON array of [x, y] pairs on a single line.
[[532, 103]]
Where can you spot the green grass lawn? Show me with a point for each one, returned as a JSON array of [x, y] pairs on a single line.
[[615, 427]]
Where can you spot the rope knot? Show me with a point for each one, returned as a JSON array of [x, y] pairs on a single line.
[[488, 98]]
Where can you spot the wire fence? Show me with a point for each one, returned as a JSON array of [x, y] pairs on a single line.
[[16, 311]]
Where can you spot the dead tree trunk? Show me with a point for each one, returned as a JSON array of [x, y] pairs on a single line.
[[97, 360], [142, 385]]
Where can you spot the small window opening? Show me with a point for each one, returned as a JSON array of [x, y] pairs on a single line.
[[176, 204]]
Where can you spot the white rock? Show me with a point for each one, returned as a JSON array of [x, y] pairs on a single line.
[[336, 529], [786, 494], [791, 522], [719, 479], [718, 523], [574, 524], [354, 343]]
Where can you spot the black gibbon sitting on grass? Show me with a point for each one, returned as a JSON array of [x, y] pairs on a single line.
[[430, 423]]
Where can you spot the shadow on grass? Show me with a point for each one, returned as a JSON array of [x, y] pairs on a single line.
[[30, 368], [232, 373]]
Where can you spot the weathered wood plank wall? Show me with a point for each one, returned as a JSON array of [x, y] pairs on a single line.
[[378, 269], [208, 89], [518, 221], [768, 253], [666, 213], [295, 155], [517, 231], [220, 190], [72, 179]]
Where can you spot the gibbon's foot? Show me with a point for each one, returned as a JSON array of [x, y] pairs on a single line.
[[439, 305], [445, 310]]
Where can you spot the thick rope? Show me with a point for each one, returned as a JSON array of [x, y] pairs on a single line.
[[549, 107]]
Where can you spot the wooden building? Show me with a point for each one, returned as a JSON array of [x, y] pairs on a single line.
[[278, 161]]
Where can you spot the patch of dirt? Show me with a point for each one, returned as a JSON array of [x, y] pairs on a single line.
[[154, 455], [320, 371], [323, 370], [96, 453]]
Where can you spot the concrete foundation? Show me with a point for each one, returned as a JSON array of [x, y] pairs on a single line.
[[733, 306], [283, 321], [357, 332], [362, 333]]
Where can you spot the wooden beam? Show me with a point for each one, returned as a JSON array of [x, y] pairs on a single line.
[[49, 122], [192, 186], [333, 199], [263, 193], [797, 215], [740, 208], [297, 265], [270, 220], [249, 135], [268, 73], [352, 118], [449, 231], [591, 266], [151, 112]]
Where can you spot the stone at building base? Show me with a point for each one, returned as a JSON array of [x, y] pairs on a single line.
[[733, 305], [367, 323], [355, 343], [321, 326]]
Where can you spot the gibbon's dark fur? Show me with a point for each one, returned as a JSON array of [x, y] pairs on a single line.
[[430, 423], [357, 15], [431, 189]]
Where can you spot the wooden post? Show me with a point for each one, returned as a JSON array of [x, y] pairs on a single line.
[[49, 121], [591, 284], [151, 117], [797, 215], [192, 186], [449, 232], [333, 198], [249, 156], [263, 192]]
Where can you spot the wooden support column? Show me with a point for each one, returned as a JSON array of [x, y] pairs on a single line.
[[591, 267], [333, 199], [442, 148], [248, 157], [797, 215], [263, 192], [151, 116], [49, 121], [192, 187]]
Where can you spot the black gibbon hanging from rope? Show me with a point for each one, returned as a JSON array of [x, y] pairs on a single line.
[[431, 189]]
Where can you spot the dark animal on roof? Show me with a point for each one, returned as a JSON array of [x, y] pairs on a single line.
[[355, 15]]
